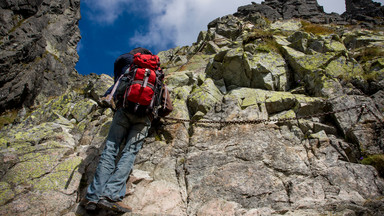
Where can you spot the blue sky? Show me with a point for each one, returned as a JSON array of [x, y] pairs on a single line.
[[110, 28]]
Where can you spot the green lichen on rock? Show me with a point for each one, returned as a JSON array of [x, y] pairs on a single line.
[[196, 63], [267, 71], [310, 63], [83, 108], [321, 136], [100, 86], [38, 134], [344, 69], [277, 102], [335, 46], [178, 79], [180, 97], [35, 164], [308, 105], [286, 25], [280, 101], [104, 130], [204, 97], [57, 106], [233, 69], [6, 193], [60, 177], [284, 115], [248, 97]]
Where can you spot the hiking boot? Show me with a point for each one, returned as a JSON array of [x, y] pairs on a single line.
[[114, 206], [89, 205]]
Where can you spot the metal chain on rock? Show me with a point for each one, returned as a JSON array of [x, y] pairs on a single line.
[[258, 121]]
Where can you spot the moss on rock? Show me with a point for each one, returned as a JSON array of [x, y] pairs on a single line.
[[280, 101], [35, 164], [267, 71], [204, 97], [376, 161], [83, 108], [6, 193], [60, 178], [344, 69]]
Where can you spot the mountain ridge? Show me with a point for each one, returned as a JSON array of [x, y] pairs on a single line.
[[242, 68]]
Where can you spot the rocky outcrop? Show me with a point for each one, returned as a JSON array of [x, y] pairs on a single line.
[[278, 9], [365, 13], [38, 42], [296, 129]]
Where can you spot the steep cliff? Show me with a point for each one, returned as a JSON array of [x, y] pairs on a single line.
[[277, 117], [38, 42]]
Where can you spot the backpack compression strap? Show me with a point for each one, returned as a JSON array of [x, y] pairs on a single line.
[[110, 96]]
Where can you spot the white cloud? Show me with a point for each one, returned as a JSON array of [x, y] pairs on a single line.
[[79, 46], [107, 11], [179, 22], [176, 22]]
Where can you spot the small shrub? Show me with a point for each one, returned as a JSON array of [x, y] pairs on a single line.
[[316, 28], [369, 53], [371, 76], [376, 161], [269, 45], [7, 118], [257, 34], [267, 42]]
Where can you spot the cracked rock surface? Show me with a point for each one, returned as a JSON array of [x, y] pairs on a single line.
[[314, 147]]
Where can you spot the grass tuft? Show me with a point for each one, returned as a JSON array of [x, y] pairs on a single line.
[[8, 118], [316, 28], [369, 53], [376, 161]]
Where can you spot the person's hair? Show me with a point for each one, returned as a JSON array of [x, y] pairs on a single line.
[[124, 61], [140, 50]]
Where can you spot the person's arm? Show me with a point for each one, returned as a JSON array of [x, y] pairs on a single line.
[[166, 103], [108, 91]]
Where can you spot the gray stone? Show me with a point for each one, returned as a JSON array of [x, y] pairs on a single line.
[[227, 26], [35, 44], [365, 13], [292, 154]]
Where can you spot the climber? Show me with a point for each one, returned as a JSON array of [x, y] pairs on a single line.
[[127, 133]]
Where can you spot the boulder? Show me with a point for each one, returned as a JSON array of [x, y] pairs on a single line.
[[227, 26], [268, 70], [203, 98]]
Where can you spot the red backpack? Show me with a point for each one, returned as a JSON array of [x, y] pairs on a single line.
[[139, 88]]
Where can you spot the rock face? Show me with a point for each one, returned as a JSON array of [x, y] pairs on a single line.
[[364, 10], [38, 42], [357, 11], [297, 112], [283, 9]]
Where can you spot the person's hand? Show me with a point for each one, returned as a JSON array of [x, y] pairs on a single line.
[[108, 101]]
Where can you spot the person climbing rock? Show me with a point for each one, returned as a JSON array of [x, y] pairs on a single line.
[[129, 126]]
